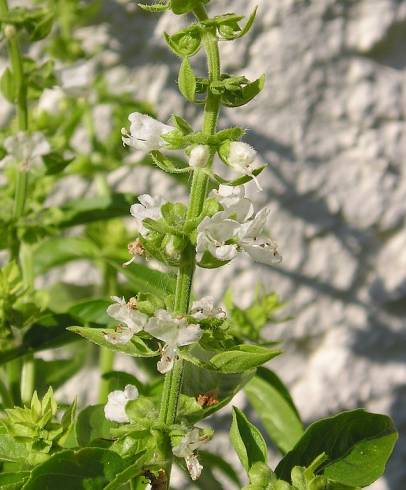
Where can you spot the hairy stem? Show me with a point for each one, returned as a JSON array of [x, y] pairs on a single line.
[[198, 193]]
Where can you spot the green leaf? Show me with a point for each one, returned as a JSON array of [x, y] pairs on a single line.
[[49, 332], [186, 42], [198, 381], [13, 481], [92, 311], [55, 163], [87, 469], [41, 28], [245, 29], [241, 358], [99, 208], [180, 7], [275, 408], [187, 80], [244, 95], [11, 450], [56, 251], [146, 280], [92, 428], [236, 182], [181, 124], [8, 86], [247, 441], [357, 443], [128, 474], [136, 347], [167, 165]]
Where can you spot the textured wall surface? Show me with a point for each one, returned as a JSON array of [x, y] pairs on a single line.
[[331, 122]]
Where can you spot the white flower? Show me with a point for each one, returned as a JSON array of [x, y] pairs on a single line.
[[175, 332], [187, 449], [77, 78], [199, 156], [131, 321], [204, 308], [147, 207], [256, 241], [236, 205], [216, 235], [26, 149], [240, 157], [145, 132], [117, 400], [228, 195], [234, 230]]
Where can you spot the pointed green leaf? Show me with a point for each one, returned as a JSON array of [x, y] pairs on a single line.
[[136, 347], [90, 468], [358, 445], [143, 279], [187, 80], [244, 95], [8, 86], [275, 408], [241, 358], [247, 441], [167, 165]]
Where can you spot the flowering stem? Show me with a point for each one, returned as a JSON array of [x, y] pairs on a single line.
[[17, 70], [198, 193]]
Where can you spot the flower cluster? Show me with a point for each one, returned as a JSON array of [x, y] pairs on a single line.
[[174, 331], [236, 229]]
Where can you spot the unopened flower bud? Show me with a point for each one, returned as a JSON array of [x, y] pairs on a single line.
[[9, 31], [199, 156], [240, 157]]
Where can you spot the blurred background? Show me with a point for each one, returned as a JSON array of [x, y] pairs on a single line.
[[331, 124]]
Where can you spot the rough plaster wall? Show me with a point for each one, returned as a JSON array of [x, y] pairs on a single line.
[[331, 121]]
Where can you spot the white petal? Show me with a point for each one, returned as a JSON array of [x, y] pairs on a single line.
[[189, 335], [131, 392], [193, 466], [117, 400], [225, 252], [162, 329], [120, 336], [241, 154], [265, 253], [146, 132], [168, 355], [257, 226]]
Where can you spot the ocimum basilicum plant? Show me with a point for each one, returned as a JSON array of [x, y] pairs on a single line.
[[195, 355]]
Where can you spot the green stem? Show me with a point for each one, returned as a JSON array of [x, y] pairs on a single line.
[[27, 380], [5, 395], [17, 69], [106, 356], [198, 193], [14, 378]]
